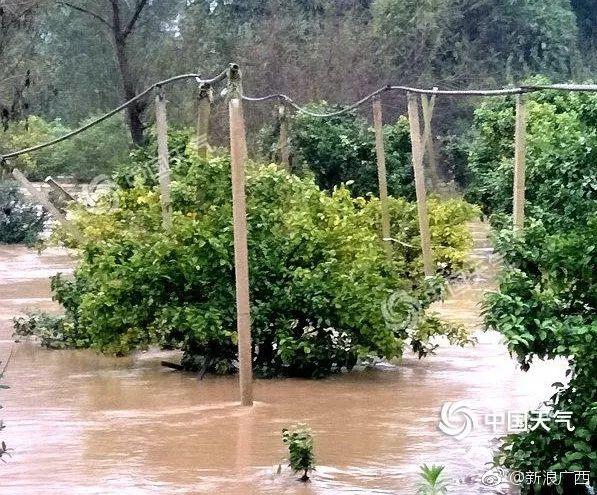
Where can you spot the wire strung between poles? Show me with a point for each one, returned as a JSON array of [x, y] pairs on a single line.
[[408, 89], [289, 101], [383, 89], [298, 108], [220, 77]]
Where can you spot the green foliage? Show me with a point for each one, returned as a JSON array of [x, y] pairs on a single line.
[[96, 151], [450, 237], [545, 309], [432, 480], [561, 153], [142, 168], [519, 35], [300, 448], [342, 150], [547, 302], [52, 331], [20, 221], [31, 132], [318, 272]]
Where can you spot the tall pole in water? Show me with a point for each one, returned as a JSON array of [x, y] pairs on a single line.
[[238, 157]]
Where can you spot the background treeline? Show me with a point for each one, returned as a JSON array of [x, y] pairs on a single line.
[[72, 60]]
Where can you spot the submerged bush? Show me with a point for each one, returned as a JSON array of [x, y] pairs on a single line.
[[546, 308], [319, 275], [20, 221], [52, 331]]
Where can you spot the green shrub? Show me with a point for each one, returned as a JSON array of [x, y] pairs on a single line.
[[561, 156], [20, 221], [300, 448], [52, 331], [142, 167], [33, 131], [545, 309], [319, 275], [547, 302], [91, 153], [342, 150]]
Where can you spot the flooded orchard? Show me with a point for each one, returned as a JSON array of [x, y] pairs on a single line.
[[82, 423]]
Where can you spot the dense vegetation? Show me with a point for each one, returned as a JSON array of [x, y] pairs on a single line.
[[342, 148], [60, 62], [319, 274], [97, 151], [20, 221], [546, 307]]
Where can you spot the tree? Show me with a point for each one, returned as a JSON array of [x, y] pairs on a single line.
[[586, 19], [436, 38], [17, 25], [120, 20]]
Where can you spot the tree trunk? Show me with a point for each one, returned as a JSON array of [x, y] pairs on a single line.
[[135, 110]]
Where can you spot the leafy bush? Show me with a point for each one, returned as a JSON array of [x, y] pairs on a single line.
[[547, 302], [142, 167], [318, 273], [300, 448], [95, 151], [20, 221], [450, 237], [342, 149], [545, 309], [561, 155], [52, 331]]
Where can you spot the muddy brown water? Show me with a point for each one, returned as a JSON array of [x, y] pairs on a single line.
[[83, 424]]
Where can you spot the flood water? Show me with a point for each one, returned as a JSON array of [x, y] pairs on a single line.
[[85, 424]]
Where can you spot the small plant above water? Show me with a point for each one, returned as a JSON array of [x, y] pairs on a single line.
[[300, 447], [432, 481]]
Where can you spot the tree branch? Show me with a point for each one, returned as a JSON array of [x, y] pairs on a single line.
[[131, 25], [89, 12]]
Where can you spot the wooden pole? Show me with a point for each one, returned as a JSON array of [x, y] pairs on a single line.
[[519, 163], [283, 143], [203, 119], [163, 159], [428, 106], [238, 156], [43, 199], [381, 174], [417, 159], [39, 196], [59, 189]]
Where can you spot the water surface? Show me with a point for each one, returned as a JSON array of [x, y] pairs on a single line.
[[83, 424]]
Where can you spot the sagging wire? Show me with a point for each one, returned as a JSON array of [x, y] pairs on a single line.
[[220, 77], [435, 91]]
